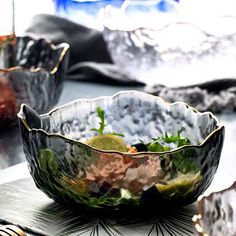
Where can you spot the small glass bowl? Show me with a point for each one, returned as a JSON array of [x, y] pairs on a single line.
[[216, 213], [33, 74], [72, 172]]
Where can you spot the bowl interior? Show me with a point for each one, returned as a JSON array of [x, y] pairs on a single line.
[[137, 115], [32, 53]]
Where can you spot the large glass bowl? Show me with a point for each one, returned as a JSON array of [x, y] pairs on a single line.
[[72, 172], [177, 44], [32, 71], [216, 213]]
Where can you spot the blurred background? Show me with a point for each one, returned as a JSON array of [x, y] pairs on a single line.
[[26, 9], [174, 46], [152, 40]]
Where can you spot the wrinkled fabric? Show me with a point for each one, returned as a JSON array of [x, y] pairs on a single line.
[[89, 57], [217, 96], [90, 61]]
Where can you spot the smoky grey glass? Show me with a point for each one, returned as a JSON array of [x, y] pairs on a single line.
[[34, 75], [72, 172]]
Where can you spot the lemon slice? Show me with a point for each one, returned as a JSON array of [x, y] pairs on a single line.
[[107, 142]]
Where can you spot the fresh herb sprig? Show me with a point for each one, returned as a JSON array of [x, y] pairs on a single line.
[[100, 130], [184, 163], [100, 113], [158, 144], [178, 139]]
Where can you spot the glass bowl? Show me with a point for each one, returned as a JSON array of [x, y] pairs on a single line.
[[73, 172], [216, 213], [179, 44], [33, 72]]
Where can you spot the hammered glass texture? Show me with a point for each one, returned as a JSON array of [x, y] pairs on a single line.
[[39, 73], [68, 170], [163, 56], [137, 115], [218, 213]]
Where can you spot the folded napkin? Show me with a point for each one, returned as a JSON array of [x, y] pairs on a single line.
[[90, 61]]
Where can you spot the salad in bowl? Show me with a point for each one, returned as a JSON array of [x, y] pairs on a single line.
[[129, 149]]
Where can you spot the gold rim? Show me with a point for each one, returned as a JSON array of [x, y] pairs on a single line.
[[196, 221], [65, 47], [220, 127]]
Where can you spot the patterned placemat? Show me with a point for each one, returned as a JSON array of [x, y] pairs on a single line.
[[23, 204]]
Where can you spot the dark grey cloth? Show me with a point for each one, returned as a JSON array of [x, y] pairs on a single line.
[[86, 44], [217, 96], [90, 61], [89, 57]]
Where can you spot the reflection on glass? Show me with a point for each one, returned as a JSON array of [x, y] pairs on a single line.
[[179, 44]]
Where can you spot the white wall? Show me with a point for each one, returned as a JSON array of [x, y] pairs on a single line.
[[26, 9]]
